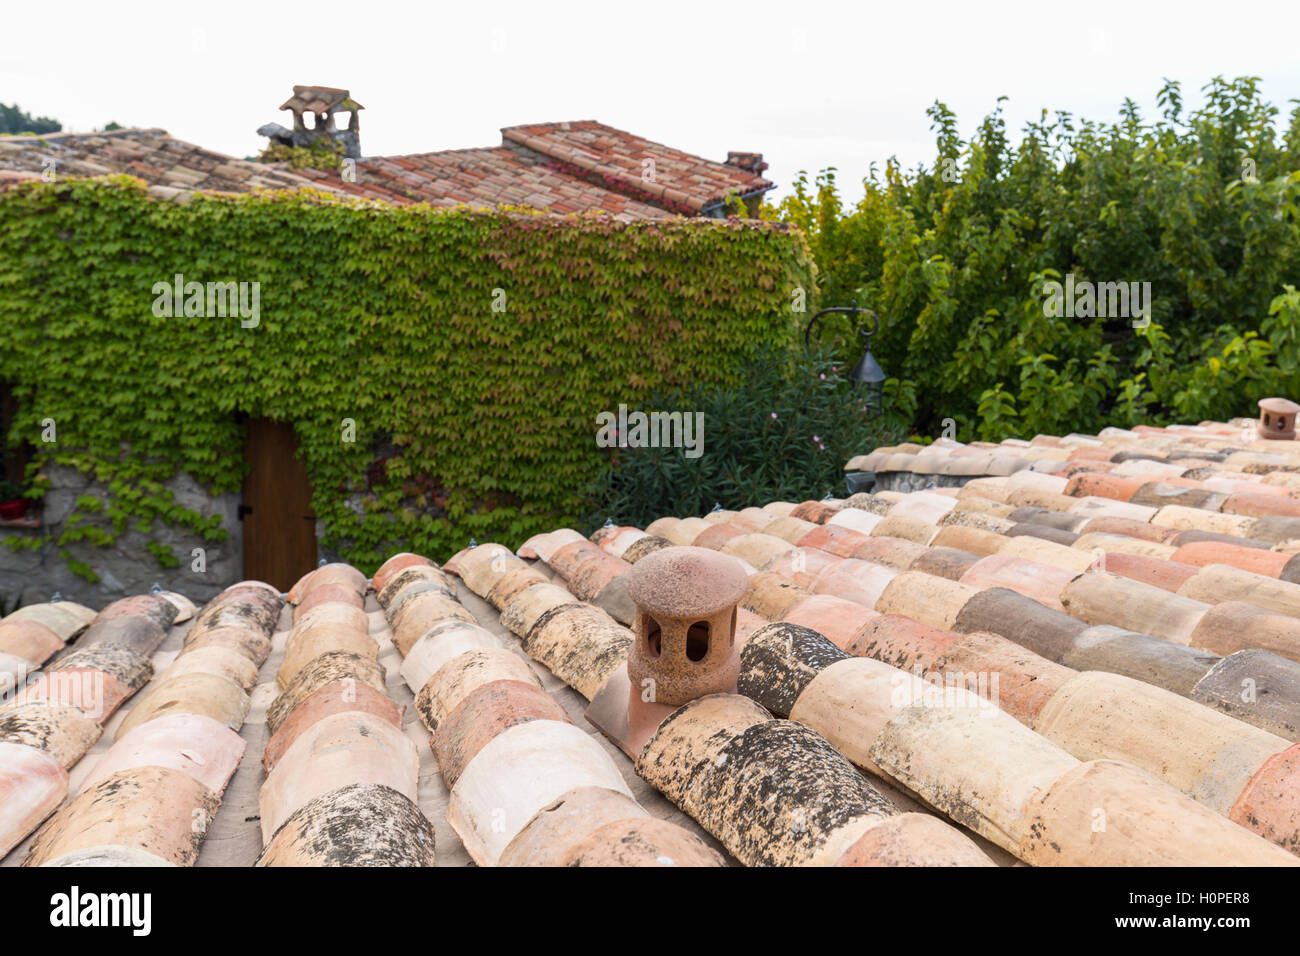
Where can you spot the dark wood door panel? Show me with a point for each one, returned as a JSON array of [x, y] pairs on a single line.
[[279, 524]]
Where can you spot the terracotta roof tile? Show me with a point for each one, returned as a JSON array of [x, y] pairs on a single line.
[[1131, 637], [150, 154], [1062, 640], [613, 153]]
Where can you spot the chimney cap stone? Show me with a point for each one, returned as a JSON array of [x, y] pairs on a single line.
[[1279, 406], [320, 99], [684, 582]]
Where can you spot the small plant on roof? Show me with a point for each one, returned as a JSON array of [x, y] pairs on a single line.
[[322, 154]]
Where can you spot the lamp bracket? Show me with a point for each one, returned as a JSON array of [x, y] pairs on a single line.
[[845, 310]]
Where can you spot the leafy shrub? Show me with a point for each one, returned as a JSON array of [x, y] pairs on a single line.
[[955, 257], [783, 432]]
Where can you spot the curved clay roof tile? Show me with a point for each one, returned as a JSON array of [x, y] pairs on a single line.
[[357, 825]]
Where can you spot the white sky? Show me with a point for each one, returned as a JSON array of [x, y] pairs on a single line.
[[807, 83]]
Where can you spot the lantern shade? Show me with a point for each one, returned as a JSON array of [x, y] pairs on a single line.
[[868, 370]]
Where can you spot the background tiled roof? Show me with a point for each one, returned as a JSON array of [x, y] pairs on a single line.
[[611, 153], [171, 166], [482, 177], [555, 167]]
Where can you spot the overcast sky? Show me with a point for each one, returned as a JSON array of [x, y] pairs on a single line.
[[809, 84]]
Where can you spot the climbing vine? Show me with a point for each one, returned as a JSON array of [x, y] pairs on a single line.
[[324, 154], [443, 369]]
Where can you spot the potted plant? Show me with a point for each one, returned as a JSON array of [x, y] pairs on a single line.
[[12, 503]]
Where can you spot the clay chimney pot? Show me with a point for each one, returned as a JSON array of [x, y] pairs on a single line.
[[685, 624], [1277, 418]]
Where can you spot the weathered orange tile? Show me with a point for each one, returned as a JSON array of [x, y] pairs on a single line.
[[32, 785], [1237, 625], [944, 562], [565, 822], [154, 809], [1270, 803], [770, 595], [153, 606], [1261, 503], [324, 670], [834, 539], [835, 618], [333, 698], [329, 575], [803, 565], [396, 564], [480, 716], [912, 839], [1103, 486], [337, 751], [718, 535], [641, 842], [358, 825], [1256, 560], [325, 594], [204, 748], [463, 675], [902, 642], [854, 580], [1168, 575], [976, 541], [891, 552], [1042, 582], [253, 644], [592, 576], [404, 583], [818, 512], [29, 640], [195, 693]]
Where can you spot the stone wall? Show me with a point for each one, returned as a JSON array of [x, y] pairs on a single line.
[[901, 481], [906, 481], [126, 567]]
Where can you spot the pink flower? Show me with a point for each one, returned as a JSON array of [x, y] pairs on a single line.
[[774, 414], [823, 376]]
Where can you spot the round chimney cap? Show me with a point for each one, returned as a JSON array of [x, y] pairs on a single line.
[[1279, 406], [686, 582]]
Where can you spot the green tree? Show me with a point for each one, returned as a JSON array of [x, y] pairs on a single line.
[[14, 120], [956, 258]]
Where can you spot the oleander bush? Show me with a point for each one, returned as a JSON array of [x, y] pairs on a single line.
[[442, 368], [956, 258], [781, 433]]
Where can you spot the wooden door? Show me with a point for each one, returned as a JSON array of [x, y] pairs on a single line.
[[279, 524]]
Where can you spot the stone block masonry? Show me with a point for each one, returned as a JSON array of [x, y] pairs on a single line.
[[126, 566]]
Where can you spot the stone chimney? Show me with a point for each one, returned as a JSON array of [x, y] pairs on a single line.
[[750, 162], [319, 113]]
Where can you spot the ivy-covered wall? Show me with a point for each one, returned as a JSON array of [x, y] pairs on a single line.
[[443, 368]]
